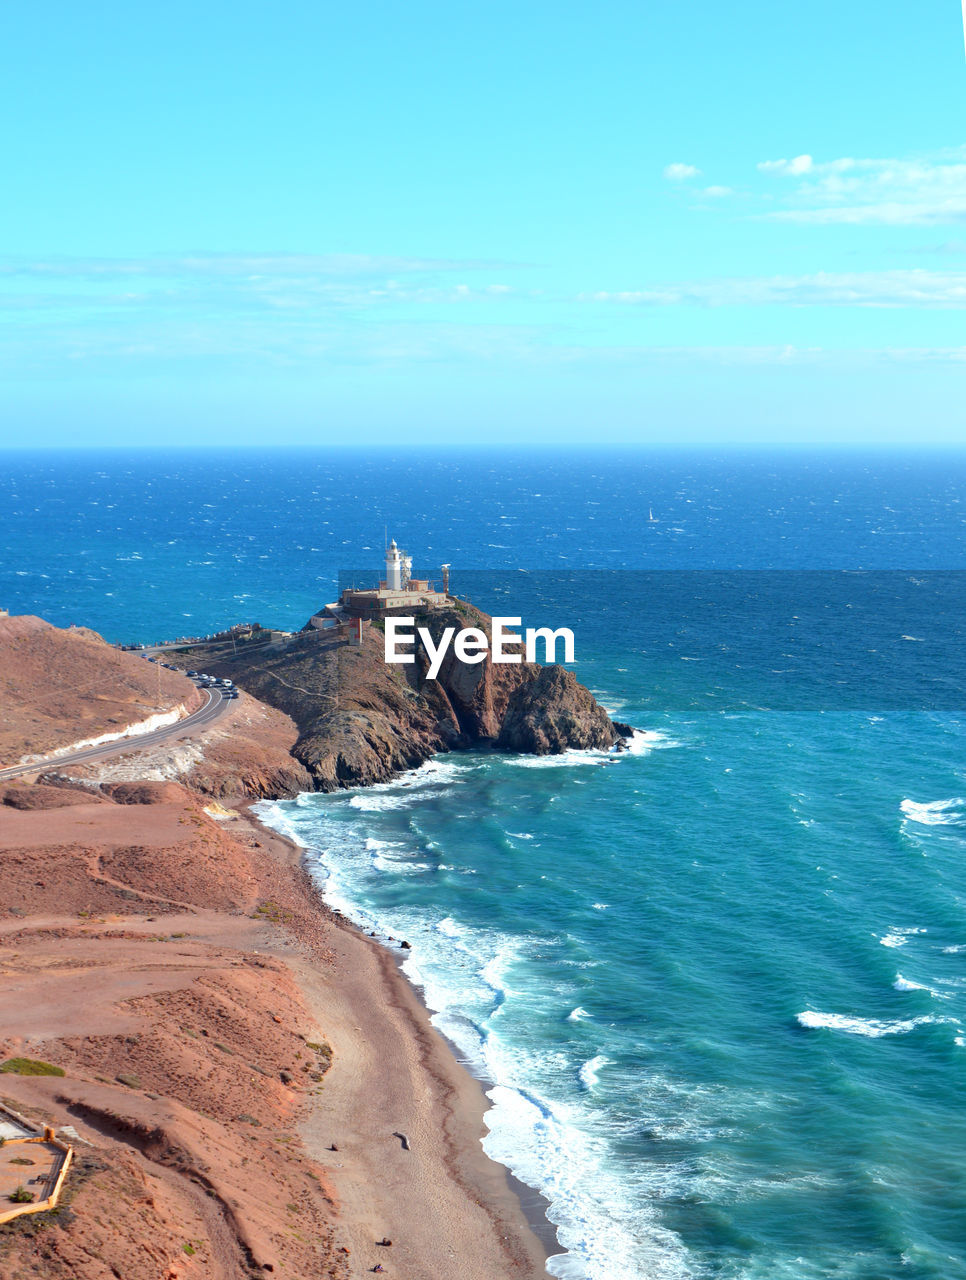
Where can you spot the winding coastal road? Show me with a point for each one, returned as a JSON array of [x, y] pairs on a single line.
[[186, 728]]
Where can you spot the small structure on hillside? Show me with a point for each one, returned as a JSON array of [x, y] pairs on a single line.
[[33, 1166]]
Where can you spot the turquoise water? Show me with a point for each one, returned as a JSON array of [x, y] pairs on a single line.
[[718, 982]]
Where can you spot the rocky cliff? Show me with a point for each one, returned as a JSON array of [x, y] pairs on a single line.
[[362, 721]]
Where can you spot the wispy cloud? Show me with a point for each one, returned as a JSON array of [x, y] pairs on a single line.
[[920, 191], [237, 266], [911, 288], [240, 284], [678, 172]]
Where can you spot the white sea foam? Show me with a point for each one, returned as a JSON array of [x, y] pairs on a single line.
[[906, 984], [564, 1154], [380, 804], [273, 815], [641, 743], [644, 741], [588, 1072], [935, 813], [870, 1027], [577, 1015], [565, 760], [898, 937]]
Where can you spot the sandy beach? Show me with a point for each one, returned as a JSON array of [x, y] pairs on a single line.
[[183, 971]]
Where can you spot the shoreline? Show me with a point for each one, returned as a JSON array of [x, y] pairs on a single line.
[[533, 1202], [381, 1017]]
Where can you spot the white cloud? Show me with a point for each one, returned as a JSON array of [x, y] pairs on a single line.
[[717, 193], [887, 191], [911, 288], [680, 172], [788, 168]]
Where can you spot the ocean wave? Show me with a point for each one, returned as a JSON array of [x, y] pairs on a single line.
[[565, 759], [560, 1151], [643, 741], [587, 1075], [898, 937], [869, 1027], [272, 814], [577, 1015], [379, 804], [935, 813], [906, 984]]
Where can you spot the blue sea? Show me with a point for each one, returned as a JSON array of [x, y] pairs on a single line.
[[716, 983]]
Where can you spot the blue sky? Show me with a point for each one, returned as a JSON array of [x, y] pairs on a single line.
[[527, 223]]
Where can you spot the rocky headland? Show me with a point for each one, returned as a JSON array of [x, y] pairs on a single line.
[[362, 721]]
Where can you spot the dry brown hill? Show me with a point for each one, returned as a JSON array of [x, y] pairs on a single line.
[[59, 687]]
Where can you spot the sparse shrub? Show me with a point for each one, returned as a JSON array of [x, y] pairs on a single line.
[[22, 1195], [30, 1067]]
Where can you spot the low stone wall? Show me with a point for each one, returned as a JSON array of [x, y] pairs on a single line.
[[61, 1159]]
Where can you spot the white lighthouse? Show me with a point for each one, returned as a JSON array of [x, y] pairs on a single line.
[[399, 568]]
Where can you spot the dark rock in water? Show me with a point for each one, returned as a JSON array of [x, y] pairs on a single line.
[[363, 721], [551, 713], [406, 946]]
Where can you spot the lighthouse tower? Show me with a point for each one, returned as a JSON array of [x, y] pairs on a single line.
[[394, 567]]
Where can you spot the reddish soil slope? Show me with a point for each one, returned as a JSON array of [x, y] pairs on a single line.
[[59, 687]]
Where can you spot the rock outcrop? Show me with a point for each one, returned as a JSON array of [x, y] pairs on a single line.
[[362, 721], [550, 713]]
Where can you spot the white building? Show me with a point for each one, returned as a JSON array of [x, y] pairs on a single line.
[[399, 591], [399, 568]]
